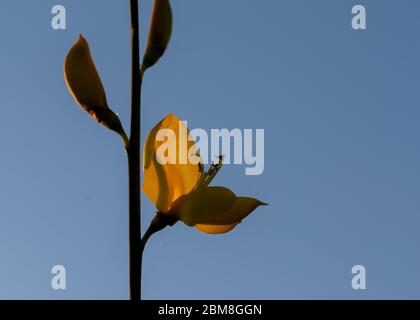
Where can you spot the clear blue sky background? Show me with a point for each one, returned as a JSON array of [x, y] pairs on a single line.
[[340, 109]]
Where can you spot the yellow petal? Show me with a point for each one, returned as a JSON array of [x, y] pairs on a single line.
[[242, 207], [214, 229], [213, 206], [173, 179], [204, 206], [85, 85], [156, 187], [159, 33]]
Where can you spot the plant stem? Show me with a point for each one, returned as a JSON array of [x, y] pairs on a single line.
[[159, 222], [133, 151]]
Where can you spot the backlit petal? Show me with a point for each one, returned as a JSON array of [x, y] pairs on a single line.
[[204, 206], [242, 207], [181, 176], [213, 206], [214, 229], [156, 187]]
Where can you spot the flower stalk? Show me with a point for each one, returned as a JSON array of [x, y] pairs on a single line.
[[159, 222], [133, 152]]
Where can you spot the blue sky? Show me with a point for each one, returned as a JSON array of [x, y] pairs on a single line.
[[340, 110]]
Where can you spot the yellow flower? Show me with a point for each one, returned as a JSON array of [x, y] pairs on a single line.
[[86, 87], [181, 188]]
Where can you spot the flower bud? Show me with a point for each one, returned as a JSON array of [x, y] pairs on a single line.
[[86, 87], [159, 33]]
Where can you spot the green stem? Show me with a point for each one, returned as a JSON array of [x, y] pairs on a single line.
[[133, 151]]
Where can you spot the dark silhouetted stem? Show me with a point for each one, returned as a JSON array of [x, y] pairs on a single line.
[[133, 151], [159, 222]]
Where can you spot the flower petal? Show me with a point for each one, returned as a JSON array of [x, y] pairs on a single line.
[[204, 206], [85, 85], [156, 187], [242, 207], [214, 206], [180, 177], [214, 229]]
